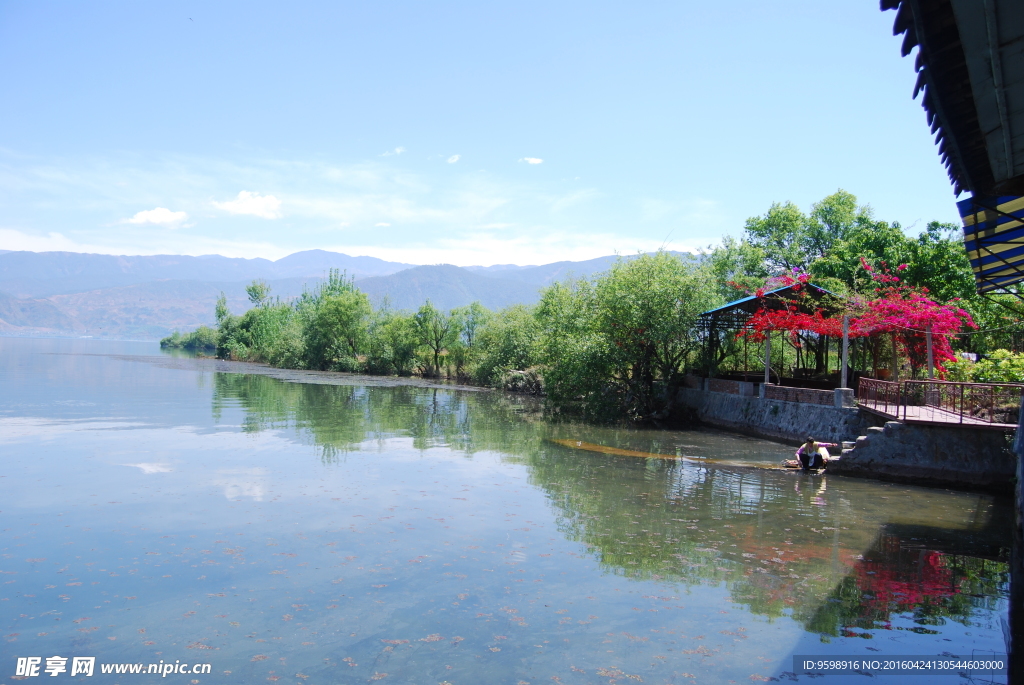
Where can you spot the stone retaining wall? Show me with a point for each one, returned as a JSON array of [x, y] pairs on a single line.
[[693, 382], [718, 385], [801, 395], [771, 418], [963, 458], [932, 455], [731, 387]]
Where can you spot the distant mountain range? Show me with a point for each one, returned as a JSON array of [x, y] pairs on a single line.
[[147, 297], [446, 286], [41, 274]]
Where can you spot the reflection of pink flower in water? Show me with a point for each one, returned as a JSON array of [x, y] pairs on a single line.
[[891, 588]]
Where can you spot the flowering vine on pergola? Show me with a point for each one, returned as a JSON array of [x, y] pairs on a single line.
[[904, 312]]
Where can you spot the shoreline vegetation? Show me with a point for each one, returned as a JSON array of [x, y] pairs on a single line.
[[616, 346]]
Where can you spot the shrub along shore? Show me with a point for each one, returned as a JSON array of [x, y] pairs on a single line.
[[608, 348], [616, 346]]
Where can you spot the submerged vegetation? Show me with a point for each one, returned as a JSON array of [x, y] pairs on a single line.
[[617, 346]]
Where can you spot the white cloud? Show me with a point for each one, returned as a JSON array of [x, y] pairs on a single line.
[[152, 467], [436, 218], [653, 209], [528, 246], [124, 243], [532, 160], [50, 242], [238, 483], [573, 199], [254, 204], [382, 224], [394, 204], [396, 151], [453, 159], [160, 215]]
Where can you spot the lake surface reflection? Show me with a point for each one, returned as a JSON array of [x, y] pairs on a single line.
[[157, 508]]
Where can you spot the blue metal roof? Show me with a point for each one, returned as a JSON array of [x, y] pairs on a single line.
[[737, 304]]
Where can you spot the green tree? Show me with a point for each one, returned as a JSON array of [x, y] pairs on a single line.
[[831, 220], [507, 342], [935, 259], [782, 235], [618, 347], [788, 239], [392, 344], [254, 336], [875, 242], [463, 352], [938, 261], [472, 316], [736, 267], [437, 331], [334, 319], [221, 311], [258, 292], [336, 283], [1000, 318], [334, 330]]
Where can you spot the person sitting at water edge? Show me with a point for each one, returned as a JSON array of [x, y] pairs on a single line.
[[812, 454]]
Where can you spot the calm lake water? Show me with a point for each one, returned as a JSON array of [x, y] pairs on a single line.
[[156, 508]]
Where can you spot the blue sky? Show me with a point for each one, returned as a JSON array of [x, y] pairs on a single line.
[[466, 133]]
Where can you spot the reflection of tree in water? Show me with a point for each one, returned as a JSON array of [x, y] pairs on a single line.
[[782, 544], [779, 549], [901, 577], [342, 418]]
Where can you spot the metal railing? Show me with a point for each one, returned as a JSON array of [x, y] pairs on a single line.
[[995, 405], [883, 397]]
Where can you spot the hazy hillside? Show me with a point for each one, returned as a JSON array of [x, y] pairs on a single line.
[[67, 293], [556, 271], [41, 274], [33, 315], [551, 273], [446, 286], [141, 311]]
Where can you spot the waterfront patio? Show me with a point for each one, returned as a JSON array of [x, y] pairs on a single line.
[[943, 403]]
